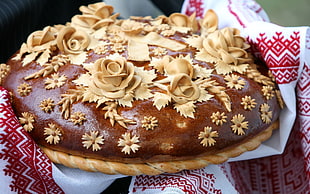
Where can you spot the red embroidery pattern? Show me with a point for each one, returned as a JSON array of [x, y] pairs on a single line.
[[303, 103], [280, 54], [255, 7], [305, 142], [230, 9], [195, 6], [30, 169], [303, 92], [276, 174], [194, 181], [245, 12]]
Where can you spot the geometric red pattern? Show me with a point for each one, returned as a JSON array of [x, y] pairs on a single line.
[[303, 92], [281, 54], [245, 13], [283, 173], [233, 10], [305, 142], [188, 181], [27, 165], [303, 108]]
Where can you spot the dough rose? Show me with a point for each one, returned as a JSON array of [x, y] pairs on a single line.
[[227, 45], [94, 16], [181, 20], [72, 41], [182, 89], [177, 66], [38, 46], [113, 78]]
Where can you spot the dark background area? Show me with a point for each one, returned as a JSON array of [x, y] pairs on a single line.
[[19, 18]]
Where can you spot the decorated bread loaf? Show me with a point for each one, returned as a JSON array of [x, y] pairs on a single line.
[[141, 95]]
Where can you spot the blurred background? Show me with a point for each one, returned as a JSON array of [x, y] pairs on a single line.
[[287, 12], [281, 12]]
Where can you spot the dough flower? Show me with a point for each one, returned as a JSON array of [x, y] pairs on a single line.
[[113, 78], [72, 41], [182, 89]]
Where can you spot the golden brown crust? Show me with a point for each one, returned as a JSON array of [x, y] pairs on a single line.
[[156, 168]]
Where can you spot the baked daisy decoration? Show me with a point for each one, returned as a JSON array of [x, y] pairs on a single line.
[[159, 51], [207, 136], [53, 134], [239, 124], [27, 121], [248, 103], [149, 123], [24, 89], [4, 70], [118, 47], [234, 81], [78, 118], [268, 92], [93, 140], [266, 114], [218, 118], [47, 105], [129, 143], [101, 49], [55, 81]]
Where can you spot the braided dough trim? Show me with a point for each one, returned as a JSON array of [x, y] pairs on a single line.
[[108, 167]]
